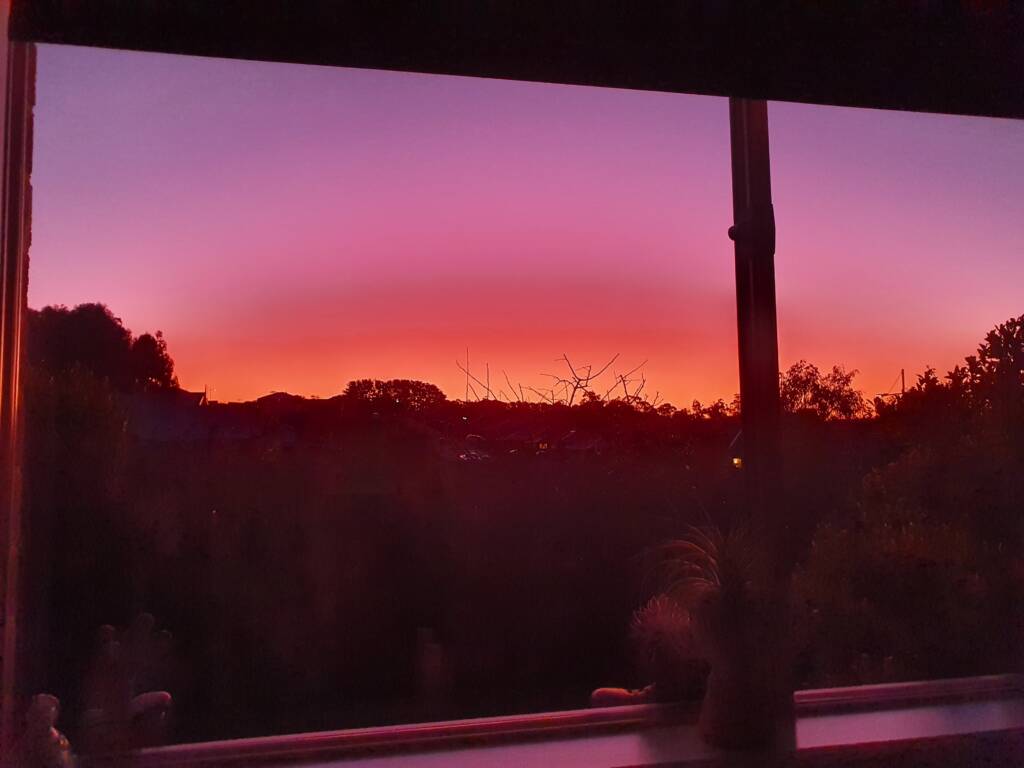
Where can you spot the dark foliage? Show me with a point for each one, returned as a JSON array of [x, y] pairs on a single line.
[[89, 338], [804, 389], [920, 574], [389, 555]]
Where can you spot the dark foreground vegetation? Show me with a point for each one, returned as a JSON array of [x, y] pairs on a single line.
[[389, 555]]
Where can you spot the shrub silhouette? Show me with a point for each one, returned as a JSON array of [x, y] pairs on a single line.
[[298, 546]]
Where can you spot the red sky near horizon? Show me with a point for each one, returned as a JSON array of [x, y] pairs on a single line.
[[290, 228]]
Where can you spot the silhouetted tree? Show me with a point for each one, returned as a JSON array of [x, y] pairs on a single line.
[[151, 366], [930, 408], [804, 389], [988, 389], [719, 409], [90, 338], [994, 377], [394, 394]]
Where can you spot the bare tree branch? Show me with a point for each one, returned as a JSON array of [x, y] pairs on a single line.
[[565, 389], [471, 378], [512, 388]]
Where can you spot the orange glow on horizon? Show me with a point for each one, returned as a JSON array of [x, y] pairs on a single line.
[[292, 228]]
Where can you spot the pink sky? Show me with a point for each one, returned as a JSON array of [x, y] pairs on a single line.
[[292, 227]]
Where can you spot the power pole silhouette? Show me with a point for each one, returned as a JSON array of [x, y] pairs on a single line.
[[903, 386]]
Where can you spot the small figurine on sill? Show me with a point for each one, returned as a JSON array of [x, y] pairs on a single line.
[[618, 697], [41, 745]]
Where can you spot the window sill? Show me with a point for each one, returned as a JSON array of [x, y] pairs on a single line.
[[870, 725]]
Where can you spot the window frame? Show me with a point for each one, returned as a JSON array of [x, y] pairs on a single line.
[[15, 231], [480, 52]]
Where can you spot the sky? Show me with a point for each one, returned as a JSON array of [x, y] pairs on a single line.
[[291, 228]]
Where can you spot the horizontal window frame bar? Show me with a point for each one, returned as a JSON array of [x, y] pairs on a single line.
[[927, 59], [913, 693], [448, 734], [455, 734]]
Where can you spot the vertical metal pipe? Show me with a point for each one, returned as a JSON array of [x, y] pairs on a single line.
[[754, 235]]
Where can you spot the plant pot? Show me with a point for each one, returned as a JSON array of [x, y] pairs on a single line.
[[743, 709], [748, 702]]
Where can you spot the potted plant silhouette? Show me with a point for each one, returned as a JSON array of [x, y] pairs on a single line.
[[665, 657], [740, 618], [661, 634]]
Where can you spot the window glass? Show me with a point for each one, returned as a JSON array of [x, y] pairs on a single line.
[[358, 398], [898, 272], [375, 390]]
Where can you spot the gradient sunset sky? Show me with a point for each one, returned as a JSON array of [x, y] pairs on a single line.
[[293, 227]]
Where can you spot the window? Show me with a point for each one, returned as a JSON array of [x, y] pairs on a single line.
[[435, 540]]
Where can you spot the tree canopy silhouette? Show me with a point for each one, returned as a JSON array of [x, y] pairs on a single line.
[[993, 379], [987, 390], [805, 389], [89, 337], [394, 394]]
